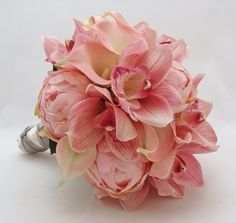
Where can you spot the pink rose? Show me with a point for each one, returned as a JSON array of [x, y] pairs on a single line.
[[119, 179], [61, 90]]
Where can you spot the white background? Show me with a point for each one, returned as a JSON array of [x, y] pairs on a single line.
[[27, 183]]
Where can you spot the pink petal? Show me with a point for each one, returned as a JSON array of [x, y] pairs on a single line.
[[204, 107], [195, 148], [117, 16], [171, 94], [195, 84], [95, 91], [85, 58], [82, 132], [125, 130], [163, 168], [167, 187], [115, 36], [53, 48], [158, 59], [154, 111], [166, 142], [131, 53], [177, 47], [205, 135], [105, 120], [191, 173], [73, 164], [179, 50], [148, 33], [149, 142], [134, 199], [122, 150], [182, 134]]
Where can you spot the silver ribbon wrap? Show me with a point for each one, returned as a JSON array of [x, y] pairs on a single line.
[[31, 142]]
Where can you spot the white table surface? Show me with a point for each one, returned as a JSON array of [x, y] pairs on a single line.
[[27, 182]]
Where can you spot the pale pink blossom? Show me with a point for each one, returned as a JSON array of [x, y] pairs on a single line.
[[123, 180], [61, 90], [139, 84], [91, 118], [174, 173]]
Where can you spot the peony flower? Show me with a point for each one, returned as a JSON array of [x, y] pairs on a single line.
[[61, 90], [123, 180]]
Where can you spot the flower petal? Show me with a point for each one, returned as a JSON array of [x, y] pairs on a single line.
[[171, 94], [154, 111], [158, 59], [115, 36], [85, 58], [125, 130], [82, 132], [131, 53], [134, 199], [148, 33], [122, 150], [195, 84], [163, 168], [177, 47], [149, 142], [191, 174], [53, 48], [95, 91], [167, 187], [73, 164], [204, 134], [166, 142]]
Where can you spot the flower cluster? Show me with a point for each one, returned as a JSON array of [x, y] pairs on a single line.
[[124, 111]]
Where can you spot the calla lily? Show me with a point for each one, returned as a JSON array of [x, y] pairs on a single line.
[[73, 164]]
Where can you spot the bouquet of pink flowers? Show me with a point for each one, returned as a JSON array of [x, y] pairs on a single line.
[[123, 111]]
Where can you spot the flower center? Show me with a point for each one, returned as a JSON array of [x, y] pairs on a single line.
[[147, 85]]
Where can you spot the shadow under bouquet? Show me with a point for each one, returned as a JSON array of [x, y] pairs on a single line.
[[119, 108]]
